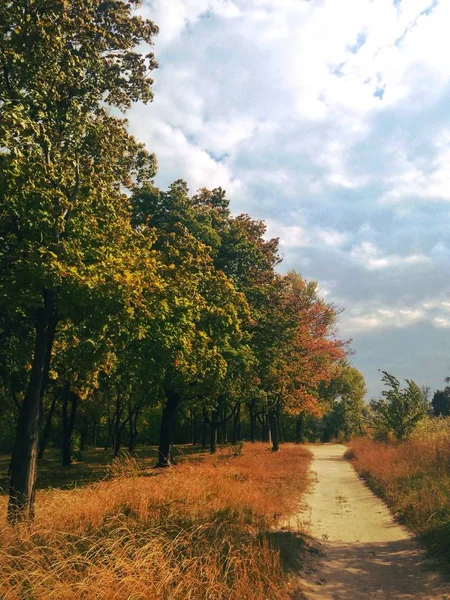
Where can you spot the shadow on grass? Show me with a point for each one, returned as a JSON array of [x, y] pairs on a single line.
[[90, 466], [296, 551]]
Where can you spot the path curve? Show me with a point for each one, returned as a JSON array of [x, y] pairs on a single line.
[[365, 554]]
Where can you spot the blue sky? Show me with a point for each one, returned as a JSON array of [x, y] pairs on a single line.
[[330, 121]]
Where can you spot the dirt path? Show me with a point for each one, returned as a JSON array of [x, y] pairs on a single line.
[[365, 553]]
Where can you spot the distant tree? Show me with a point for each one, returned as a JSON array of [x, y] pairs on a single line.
[[399, 411], [346, 394], [441, 402]]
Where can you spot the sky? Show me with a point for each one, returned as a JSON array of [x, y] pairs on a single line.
[[330, 121]]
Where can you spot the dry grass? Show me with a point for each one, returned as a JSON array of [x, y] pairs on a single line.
[[414, 479], [198, 531]]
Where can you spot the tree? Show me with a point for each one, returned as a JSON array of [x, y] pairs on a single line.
[[345, 396], [297, 349], [399, 411], [441, 402], [64, 167]]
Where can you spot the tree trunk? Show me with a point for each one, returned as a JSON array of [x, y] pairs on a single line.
[[109, 431], [133, 414], [68, 423], [83, 433], [274, 430], [213, 436], [280, 429], [237, 424], [47, 428], [300, 429], [224, 427], [265, 428], [117, 440], [94, 433], [252, 414], [130, 427], [167, 430], [118, 427], [193, 427], [204, 433], [24, 455]]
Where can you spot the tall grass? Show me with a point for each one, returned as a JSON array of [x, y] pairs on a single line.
[[414, 479], [197, 531]]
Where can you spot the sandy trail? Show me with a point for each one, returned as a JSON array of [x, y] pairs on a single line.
[[365, 553]]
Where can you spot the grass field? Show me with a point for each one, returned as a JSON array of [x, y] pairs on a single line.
[[414, 479], [206, 529]]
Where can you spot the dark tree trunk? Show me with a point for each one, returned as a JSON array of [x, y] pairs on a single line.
[[193, 427], [24, 455], [218, 419], [117, 441], [237, 424], [130, 427], [131, 432], [117, 426], [167, 430], [213, 436], [133, 415], [224, 424], [117, 433], [110, 422], [280, 429], [47, 427], [204, 433], [252, 415], [109, 436], [68, 423], [265, 427], [94, 433], [300, 429], [83, 433], [274, 430]]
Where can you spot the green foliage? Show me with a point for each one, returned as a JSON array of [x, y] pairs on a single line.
[[344, 396], [400, 410], [441, 402]]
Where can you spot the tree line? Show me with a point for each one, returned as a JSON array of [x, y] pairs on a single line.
[[118, 298]]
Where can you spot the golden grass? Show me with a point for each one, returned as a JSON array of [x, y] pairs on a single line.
[[414, 479], [197, 531]]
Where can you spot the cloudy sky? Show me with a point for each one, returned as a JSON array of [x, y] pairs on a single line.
[[330, 120]]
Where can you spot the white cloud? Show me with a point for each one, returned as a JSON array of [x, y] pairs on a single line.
[[330, 121], [290, 236], [173, 16], [374, 315], [182, 159], [297, 236], [414, 179], [359, 320], [372, 258]]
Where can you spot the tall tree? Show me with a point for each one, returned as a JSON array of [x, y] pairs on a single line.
[[64, 167]]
